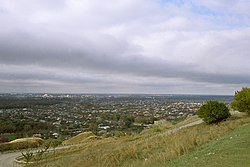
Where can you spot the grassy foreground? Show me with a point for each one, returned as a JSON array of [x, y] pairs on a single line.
[[232, 150], [157, 147]]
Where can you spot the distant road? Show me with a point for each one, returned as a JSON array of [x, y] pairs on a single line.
[[7, 159]]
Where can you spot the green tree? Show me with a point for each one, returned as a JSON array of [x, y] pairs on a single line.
[[213, 112], [241, 100], [129, 120], [118, 133]]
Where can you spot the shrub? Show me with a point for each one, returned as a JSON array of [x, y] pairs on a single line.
[[213, 112], [118, 133], [18, 146], [242, 100]]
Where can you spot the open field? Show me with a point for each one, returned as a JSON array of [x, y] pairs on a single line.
[[10, 137], [160, 144]]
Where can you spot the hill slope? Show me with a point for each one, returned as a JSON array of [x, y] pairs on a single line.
[[82, 137], [232, 150], [151, 148], [29, 139]]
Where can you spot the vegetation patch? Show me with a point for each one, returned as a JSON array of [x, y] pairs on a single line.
[[232, 150], [242, 100], [146, 149], [213, 112], [29, 139], [82, 137], [10, 137], [19, 144]]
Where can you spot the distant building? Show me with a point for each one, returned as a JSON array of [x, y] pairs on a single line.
[[55, 135], [37, 135]]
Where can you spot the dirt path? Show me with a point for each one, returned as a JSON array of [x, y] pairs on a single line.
[[182, 127], [7, 159], [171, 131]]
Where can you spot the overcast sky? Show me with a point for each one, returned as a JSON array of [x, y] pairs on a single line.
[[124, 46]]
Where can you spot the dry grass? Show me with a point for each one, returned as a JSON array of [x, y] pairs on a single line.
[[231, 150], [188, 120], [80, 138], [22, 143], [30, 139], [144, 149]]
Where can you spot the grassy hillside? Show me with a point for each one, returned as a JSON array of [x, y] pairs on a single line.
[[82, 137], [232, 150], [22, 143], [30, 139], [153, 147]]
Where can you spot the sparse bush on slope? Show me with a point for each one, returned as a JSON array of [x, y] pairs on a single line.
[[23, 143], [213, 112], [242, 100]]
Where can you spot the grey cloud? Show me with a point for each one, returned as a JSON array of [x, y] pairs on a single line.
[[25, 49], [75, 42]]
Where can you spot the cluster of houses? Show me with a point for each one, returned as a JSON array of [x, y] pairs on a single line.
[[103, 115]]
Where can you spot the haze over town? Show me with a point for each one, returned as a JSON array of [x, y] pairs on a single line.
[[124, 46]]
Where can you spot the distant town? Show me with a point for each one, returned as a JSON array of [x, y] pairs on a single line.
[[66, 115]]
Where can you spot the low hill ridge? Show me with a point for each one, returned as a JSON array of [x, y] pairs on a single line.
[[80, 138]]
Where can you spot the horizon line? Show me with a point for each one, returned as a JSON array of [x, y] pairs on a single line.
[[160, 94]]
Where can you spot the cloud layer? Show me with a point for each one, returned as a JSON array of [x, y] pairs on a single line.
[[124, 46]]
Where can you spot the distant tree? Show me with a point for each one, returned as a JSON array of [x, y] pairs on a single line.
[[93, 127], [118, 133], [241, 100], [26, 128], [213, 112], [129, 121]]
